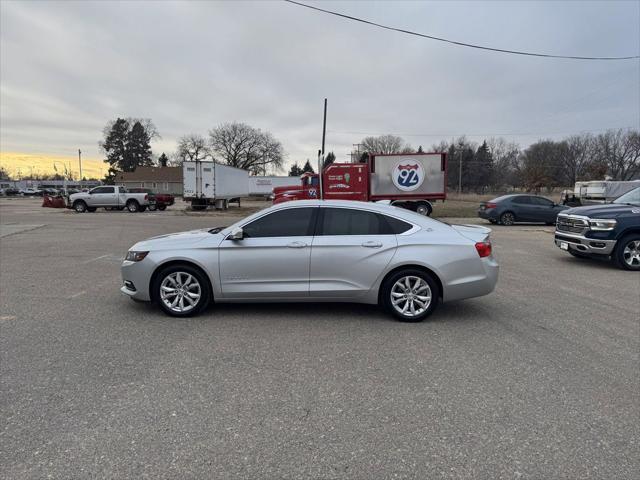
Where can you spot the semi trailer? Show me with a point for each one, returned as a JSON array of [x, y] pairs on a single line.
[[412, 181], [209, 183]]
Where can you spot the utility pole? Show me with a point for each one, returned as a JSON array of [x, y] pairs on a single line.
[[321, 152], [80, 163], [460, 174]]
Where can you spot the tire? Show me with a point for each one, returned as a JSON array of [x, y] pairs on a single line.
[[153, 208], [91, 209], [424, 208], [169, 277], [133, 206], [395, 288], [627, 252], [142, 208], [507, 219], [80, 206], [162, 208]]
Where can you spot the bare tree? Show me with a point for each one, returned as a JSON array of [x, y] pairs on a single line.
[[505, 162], [242, 146], [619, 150], [384, 144], [192, 148], [577, 158]]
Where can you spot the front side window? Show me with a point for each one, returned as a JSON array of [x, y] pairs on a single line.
[[348, 221], [291, 222], [102, 190]]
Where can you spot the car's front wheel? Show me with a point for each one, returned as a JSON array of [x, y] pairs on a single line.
[[181, 290], [410, 295], [627, 253]]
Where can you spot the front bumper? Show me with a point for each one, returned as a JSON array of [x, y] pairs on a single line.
[[136, 277], [582, 244]]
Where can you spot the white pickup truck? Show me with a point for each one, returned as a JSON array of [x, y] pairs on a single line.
[[109, 197]]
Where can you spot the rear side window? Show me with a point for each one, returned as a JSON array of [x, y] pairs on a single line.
[[348, 221], [292, 222], [541, 201], [521, 200]]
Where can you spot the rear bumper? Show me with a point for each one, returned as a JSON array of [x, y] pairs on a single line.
[[582, 244], [488, 214], [476, 285]]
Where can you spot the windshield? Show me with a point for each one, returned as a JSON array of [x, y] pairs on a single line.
[[630, 198]]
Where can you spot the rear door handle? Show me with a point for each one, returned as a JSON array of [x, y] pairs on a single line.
[[372, 244], [297, 245]]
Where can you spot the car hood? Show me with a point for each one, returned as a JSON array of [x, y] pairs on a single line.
[[177, 240], [472, 232], [610, 210]]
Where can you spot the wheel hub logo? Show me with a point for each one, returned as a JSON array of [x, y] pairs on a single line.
[[407, 175]]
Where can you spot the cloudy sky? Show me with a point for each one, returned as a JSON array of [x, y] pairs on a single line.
[[69, 67]]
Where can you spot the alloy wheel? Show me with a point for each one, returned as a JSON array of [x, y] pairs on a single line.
[[180, 292], [507, 219], [631, 253], [410, 296]]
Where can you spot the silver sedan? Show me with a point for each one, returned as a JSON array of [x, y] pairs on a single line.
[[316, 251]]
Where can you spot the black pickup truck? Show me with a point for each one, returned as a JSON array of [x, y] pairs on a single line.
[[609, 231]]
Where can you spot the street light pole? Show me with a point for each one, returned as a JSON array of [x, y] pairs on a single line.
[[460, 174]]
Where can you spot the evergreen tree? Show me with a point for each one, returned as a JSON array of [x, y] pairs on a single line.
[[482, 168], [420, 150], [163, 160], [127, 144], [295, 170], [308, 168], [329, 159]]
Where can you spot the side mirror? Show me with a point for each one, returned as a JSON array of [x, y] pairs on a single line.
[[236, 234]]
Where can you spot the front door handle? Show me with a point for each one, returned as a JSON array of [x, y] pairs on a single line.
[[372, 244], [297, 245]]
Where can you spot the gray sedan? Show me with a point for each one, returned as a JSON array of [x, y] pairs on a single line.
[[316, 251]]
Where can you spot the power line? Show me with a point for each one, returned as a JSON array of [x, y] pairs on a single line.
[[454, 42], [523, 134]]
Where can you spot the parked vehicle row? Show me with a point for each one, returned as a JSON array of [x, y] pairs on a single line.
[[609, 231]]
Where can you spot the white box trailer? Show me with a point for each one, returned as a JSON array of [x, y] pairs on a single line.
[[602, 191], [263, 186], [209, 183]]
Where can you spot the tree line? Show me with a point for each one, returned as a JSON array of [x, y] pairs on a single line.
[[127, 145], [498, 165]]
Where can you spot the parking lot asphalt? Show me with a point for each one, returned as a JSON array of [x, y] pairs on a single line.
[[538, 380]]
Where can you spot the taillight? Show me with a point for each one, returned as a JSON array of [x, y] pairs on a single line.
[[490, 205], [484, 249], [146, 197]]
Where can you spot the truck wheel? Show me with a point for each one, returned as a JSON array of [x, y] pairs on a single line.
[[507, 219], [410, 295], [424, 208], [162, 208], [627, 253], [152, 208], [79, 206], [181, 290], [91, 209], [142, 208], [133, 206]]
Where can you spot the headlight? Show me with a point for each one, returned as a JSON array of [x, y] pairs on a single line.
[[135, 256], [602, 224]]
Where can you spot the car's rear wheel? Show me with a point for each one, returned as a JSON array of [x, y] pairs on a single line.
[[181, 290], [410, 295], [133, 206], [162, 208], [80, 206], [507, 218], [627, 253]]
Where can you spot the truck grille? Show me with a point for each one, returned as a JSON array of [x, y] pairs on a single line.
[[571, 224]]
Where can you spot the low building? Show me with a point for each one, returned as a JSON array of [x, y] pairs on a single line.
[[158, 179]]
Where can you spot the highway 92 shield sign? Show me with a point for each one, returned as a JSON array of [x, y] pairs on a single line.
[[407, 175]]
